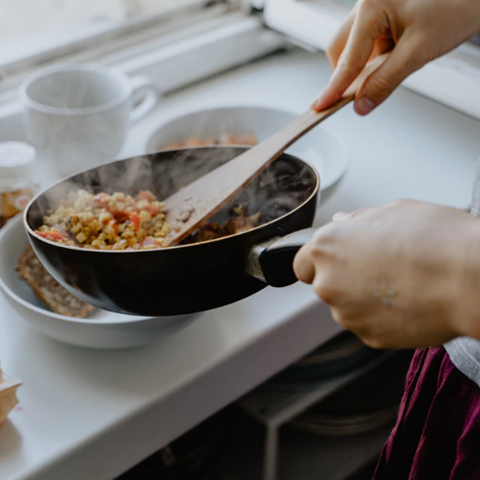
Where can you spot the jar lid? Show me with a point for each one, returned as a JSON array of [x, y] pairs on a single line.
[[16, 158]]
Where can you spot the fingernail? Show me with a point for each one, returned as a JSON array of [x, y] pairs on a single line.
[[364, 105], [316, 104], [319, 101]]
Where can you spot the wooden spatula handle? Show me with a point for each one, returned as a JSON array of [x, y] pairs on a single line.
[[279, 142], [200, 200]]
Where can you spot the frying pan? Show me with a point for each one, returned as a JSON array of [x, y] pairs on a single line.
[[193, 277]]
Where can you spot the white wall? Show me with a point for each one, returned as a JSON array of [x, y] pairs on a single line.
[[21, 17]]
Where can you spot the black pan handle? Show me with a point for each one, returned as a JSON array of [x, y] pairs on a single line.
[[276, 259]]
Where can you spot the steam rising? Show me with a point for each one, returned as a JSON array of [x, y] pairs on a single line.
[[278, 190]]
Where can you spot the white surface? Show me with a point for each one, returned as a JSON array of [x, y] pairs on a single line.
[[319, 148], [91, 415], [101, 330], [452, 80]]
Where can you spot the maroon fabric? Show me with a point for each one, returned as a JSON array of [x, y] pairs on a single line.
[[437, 434]]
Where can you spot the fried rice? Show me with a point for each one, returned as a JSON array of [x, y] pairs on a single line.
[[124, 222]]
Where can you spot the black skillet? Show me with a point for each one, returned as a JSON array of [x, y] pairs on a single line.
[[187, 278]]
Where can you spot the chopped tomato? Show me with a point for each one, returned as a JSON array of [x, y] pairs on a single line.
[[152, 210], [149, 241], [49, 235], [101, 200], [143, 195], [136, 220], [119, 215]]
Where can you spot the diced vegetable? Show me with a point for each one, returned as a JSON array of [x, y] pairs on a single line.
[[136, 220], [81, 237], [145, 216], [119, 215], [145, 195], [50, 235], [152, 210], [101, 200], [113, 224]]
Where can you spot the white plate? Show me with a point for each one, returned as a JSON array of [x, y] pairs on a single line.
[[319, 148], [101, 330]]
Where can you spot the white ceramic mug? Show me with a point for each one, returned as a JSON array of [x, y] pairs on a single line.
[[78, 116]]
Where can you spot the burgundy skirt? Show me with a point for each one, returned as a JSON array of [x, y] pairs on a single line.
[[437, 434]]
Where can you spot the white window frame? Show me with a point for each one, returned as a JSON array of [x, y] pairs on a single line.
[[453, 80], [166, 49], [43, 46], [130, 44]]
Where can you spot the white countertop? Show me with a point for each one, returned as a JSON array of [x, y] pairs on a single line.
[[91, 414]]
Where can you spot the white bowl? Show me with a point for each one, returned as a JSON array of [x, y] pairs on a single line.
[[327, 154], [101, 330]]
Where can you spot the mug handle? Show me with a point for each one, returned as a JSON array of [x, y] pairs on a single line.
[[150, 101]]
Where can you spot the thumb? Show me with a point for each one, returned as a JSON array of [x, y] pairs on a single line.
[[406, 58]]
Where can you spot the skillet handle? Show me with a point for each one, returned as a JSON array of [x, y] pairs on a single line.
[[276, 260]]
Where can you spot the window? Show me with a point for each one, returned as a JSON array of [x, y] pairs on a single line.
[[44, 15], [160, 39], [55, 28], [105, 31]]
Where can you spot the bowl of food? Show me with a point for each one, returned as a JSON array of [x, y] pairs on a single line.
[[50, 308], [247, 126], [100, 233]]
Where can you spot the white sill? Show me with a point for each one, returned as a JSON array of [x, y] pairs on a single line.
[[95, 414]]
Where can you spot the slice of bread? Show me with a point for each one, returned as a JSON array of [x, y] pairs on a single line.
[[55, 297]]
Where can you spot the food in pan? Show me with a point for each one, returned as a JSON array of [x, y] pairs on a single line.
[[225, 139], [48, 290], [238, 223], [125, 222], [108, 222]]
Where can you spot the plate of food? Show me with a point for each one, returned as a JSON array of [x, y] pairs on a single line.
[[247, 126], [58, 313]]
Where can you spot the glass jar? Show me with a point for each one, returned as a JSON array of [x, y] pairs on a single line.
[[17, 178]]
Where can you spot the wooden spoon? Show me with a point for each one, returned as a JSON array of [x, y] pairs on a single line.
[[196, 203]]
